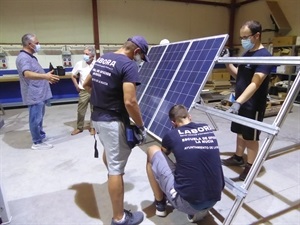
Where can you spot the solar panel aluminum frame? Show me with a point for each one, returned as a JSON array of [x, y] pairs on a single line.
[[201, 86]]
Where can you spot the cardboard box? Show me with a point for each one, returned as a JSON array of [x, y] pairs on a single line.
[[286, 52], [277, 52], [284, 41], [281, 51], [297, 41], [285, 69], [219, 75]]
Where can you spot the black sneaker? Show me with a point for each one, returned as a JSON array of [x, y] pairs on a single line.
[[232, 161], [161, 208], [245, 172], [134, 218]]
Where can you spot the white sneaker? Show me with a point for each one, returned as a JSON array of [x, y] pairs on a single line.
[[198, 216], [41, 146]]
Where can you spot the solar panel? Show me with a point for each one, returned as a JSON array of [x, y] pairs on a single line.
[[189, 81], [161, 80], [145, 74], [178, 79]]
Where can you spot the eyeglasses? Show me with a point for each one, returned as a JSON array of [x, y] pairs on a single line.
[[246, 37]]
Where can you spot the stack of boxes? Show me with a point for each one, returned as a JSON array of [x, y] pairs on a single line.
[[219, 80], [284, 46]]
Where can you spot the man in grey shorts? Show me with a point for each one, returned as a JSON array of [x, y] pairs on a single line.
[[112, 83], [195, 182]]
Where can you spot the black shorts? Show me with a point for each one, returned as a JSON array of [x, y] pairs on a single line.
[[248, 133]]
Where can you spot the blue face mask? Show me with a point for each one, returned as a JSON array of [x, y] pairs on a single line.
[[86, 58], [247, 44]]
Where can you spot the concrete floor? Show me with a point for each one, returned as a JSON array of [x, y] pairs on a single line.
[[67, 185]]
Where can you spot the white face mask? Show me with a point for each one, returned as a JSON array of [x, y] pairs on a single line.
[[86, 58], [37, 48], [137, 59]]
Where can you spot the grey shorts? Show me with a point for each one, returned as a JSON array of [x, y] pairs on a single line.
[[117, 151], [163, 170]]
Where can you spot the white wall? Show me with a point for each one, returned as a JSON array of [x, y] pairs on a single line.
[[55, 21], [158, 19], [259, 11], [71, 22]]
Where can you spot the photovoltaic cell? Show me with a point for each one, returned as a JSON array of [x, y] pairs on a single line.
[[179, 77], [189, 81], [147, 70], [161, 80]]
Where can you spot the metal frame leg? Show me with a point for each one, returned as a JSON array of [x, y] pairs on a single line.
[[5, 217], [2, 109]]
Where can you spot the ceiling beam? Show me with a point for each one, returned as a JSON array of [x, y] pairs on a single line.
[[244, 2], [228, 5], [201, 2]]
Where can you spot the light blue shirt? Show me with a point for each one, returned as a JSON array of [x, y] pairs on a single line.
[[32, 91]]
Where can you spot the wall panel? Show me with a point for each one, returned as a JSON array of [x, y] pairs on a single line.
[[70, 21]]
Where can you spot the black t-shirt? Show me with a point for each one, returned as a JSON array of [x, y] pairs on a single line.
[[108, 75], [198, 174], [244, 76]]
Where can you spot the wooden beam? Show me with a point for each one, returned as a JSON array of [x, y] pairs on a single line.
[[245, 2], [201, 2], [96, 28], [232, 14]]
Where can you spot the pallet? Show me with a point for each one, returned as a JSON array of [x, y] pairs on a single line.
[[272, 110]]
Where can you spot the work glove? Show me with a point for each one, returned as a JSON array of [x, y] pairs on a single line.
[[141, 135], [225, 53], [235, 107]]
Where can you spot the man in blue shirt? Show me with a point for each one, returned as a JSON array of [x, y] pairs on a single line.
[[195, 182], [112, 83], [252, 85], [35, 89]]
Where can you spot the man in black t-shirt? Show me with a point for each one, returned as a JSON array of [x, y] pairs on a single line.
[[195, 182], [250, 96], [112, 83]]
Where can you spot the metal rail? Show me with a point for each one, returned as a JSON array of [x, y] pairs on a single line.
[[274, 60], [270, 129]]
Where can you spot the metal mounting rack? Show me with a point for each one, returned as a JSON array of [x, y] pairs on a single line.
[[273, 129], [5, 216]]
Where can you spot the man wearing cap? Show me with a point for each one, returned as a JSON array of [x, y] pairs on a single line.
[[112, 84]]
